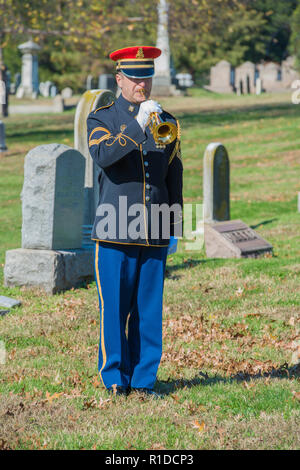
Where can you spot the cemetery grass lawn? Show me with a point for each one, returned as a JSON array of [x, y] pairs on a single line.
[[229, 367]]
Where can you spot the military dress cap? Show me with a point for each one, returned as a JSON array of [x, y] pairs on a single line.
[[137, 61]]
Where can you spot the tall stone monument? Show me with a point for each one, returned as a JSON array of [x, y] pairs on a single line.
[[161, 85], [51, 256], [29, 86]]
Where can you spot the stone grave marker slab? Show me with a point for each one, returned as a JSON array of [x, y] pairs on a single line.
[[8, 302], [234, 239]]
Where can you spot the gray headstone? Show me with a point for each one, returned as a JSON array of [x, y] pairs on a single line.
[[53, 91], [221, 78], [245, 78], [89, 82], [8, 302], [216, 185], [47, 88], [107, 82], [52, 198], [67, 93], [58, 104]]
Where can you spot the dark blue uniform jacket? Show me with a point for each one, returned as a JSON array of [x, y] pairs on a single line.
[[136, 178]]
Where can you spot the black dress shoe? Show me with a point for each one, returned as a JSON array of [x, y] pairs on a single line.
[[148, 392], [118, 390]]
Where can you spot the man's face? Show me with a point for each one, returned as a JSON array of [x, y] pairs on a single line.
[[132, 87]]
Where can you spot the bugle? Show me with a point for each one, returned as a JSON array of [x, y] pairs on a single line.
[[164, 132]]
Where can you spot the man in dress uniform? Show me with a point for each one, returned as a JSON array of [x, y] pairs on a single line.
[[137, 175]]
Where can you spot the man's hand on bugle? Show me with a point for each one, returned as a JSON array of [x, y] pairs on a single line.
[[146, 108]]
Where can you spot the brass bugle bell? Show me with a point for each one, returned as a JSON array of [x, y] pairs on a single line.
[[164, 132]]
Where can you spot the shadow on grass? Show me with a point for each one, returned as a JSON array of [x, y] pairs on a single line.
[[29, 135], [191, 263], [168, 387], [265, 222]]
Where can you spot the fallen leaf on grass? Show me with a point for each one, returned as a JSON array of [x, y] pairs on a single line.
[[248, 385], [296, 395], [175, 397], [96, 382], [199, 426], [252, 315], [50, 398]]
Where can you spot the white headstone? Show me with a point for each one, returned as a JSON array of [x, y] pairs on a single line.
[[67, 93]]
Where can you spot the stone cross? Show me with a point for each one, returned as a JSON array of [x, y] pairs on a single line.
[[216, 184], [30, 80]]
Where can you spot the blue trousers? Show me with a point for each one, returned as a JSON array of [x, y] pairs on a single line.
[[130, 280]]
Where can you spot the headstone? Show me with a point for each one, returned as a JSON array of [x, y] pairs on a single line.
[[67, 93], [245, 78], [58, 104], [234, 239], [107, 82], [3, 147], [52, 198], [45, 88], [221, 78], [29, 79], [8, 302], [270, 74], [258, 86], [216, 185], [89, 82], [53, 91], [52, 205]]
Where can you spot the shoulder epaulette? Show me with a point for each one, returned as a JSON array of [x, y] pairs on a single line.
[[106, 106]]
